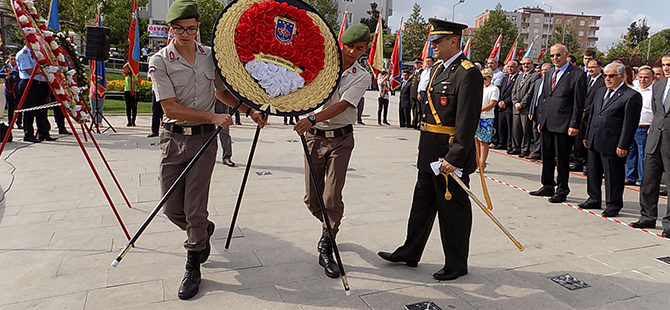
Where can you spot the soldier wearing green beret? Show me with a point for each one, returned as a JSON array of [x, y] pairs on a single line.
[[330, 140], [185, 83], [448, 124]]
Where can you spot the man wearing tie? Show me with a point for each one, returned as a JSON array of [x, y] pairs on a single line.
[[657, 158], [506, 106], [615, 114], [594, 81], [405, 101], [536, 153], [559, 116], [522, 95]]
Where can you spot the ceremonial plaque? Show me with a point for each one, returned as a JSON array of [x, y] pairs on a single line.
[[279, 57]]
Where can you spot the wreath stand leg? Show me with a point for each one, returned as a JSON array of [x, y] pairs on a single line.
[[242, 187], [18, 109], [169, 192], [326, 219]]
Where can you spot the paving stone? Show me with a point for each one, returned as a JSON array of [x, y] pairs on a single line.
[[67, 301], [126, 295], [441, 295]]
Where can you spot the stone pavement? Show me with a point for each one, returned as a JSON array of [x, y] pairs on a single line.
[[58, 234]]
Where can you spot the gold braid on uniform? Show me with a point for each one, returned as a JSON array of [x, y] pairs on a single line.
[[241, 81], [447, 194]]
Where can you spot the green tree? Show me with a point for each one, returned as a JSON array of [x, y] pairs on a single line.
[[117, 15], [371, 21], [415, 34], [209, 13], [637, 32], [653, 48], [487, 35], [565, 36], [327, 9]]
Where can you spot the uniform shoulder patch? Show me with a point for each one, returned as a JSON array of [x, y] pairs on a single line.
[[466, 64]]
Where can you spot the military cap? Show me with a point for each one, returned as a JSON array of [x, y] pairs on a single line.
[[417, 59], [356, 33], [440, 28], [182, 9]]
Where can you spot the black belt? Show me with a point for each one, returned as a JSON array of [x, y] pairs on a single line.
[[643, 126], [189, 130], [332, 133]]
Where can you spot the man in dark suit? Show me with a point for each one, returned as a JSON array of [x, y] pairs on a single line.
[[405, 101], [416, 104], [452, 112], [536, 152], [506, 106], [594, 81], [657, 158], [559, 116], [615, 113], [522, 95]]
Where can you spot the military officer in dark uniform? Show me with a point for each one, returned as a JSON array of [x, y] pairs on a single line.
[[448, 124], [415, 105]]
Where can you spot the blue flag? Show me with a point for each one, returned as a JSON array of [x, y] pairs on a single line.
[[54, 21]]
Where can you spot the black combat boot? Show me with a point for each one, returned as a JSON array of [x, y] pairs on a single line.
[[191, 282], [204, 254], [326, 260]]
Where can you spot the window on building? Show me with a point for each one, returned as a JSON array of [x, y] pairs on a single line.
[[558, 21], [536, 20], [351, 1], [536, 30], [592, 22], [581, 33], [582, 23], [513, 18]]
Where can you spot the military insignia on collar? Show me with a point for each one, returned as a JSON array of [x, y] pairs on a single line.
[[284, 29], [201, 49], [466, 64], [171, 56], [353, 70]]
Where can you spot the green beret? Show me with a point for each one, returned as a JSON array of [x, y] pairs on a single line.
[[182, 9], [356, 33]]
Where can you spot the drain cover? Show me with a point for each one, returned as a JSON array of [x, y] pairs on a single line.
[[426, 305], [570, 282], [665, 259], [262, 173], [351, 169]]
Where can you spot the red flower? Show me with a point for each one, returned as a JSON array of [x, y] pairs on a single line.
[[31, 38]]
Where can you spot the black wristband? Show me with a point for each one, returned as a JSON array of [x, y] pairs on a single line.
[[248, 110]]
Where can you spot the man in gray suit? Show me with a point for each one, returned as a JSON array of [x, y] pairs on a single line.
[[657, 155], [536, 153], [522, 95]]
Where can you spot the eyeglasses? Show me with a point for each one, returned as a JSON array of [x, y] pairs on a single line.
[[611, 76], [596, 67], [190, 31], [526, 63], [555, 55]]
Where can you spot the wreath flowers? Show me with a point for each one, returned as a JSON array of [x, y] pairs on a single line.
[[280, 46], [51, 57]]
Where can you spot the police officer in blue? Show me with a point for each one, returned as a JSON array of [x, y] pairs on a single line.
[[448, 124], [37, 95]]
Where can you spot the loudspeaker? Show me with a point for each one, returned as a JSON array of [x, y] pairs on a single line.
[[97, 42]]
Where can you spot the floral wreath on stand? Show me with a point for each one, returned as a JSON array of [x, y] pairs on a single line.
[[279, 57], [52, 59]]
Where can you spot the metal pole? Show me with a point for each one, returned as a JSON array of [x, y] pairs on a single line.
[[242, 187]]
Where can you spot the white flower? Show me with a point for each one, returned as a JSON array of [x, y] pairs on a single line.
[[50, 77], [54, 45], [275, 80], [75, 90], [30, 4], [61, 58], [29, 30], [35, 47], [23, 19], [47, 33], [39, 55], [76, 97], [71, 72], [59, 90]]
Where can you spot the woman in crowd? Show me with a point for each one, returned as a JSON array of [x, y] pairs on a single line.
[[485, 128]]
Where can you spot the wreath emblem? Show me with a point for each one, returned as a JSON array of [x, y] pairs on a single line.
[[286, 59]]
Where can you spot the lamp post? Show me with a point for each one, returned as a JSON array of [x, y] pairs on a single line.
[[551, 25], [453, 9], [649, 44]]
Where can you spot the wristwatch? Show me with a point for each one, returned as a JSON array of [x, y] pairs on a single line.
[[312, 119]]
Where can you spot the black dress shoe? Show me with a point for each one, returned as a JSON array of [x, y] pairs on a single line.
[[153, 134], [522, 155], [64, 132], [443, 275], [228, 162], [590, 204], [31, 139], [610, 212], [558, 198], [543, 191], [49, 138], [204, 254], [666, 233], [643, 224], [394, 258]]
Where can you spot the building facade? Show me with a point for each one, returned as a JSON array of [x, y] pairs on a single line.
[[359, 9], [534, 22]]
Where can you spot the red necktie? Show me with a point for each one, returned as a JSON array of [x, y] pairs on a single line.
[[553, 79]]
